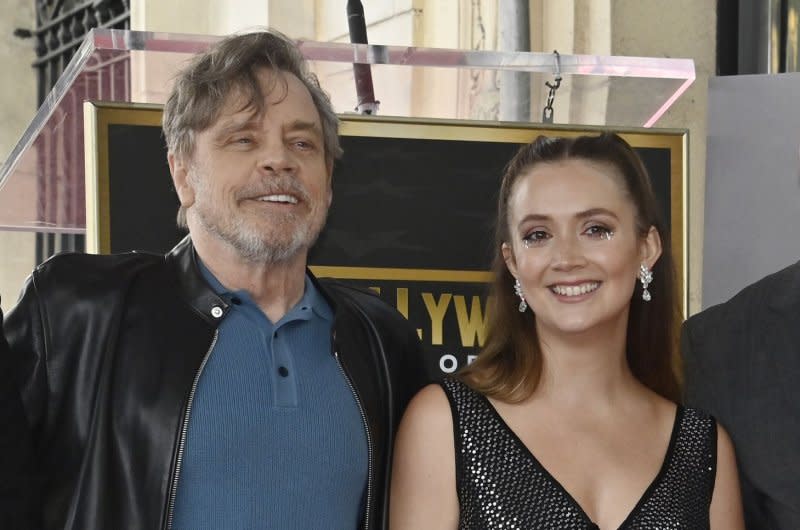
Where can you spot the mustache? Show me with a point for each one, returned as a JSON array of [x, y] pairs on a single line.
[[274, 185]]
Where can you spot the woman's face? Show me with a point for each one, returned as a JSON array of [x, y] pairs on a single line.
[[574, 245]]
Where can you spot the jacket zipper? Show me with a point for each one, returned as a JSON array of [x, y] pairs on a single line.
[[369, 438], [182, 443]]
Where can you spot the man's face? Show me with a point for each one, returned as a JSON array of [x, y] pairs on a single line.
[[259, 183]]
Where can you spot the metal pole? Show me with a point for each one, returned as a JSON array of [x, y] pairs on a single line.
[[759, 36], [515, 87], [361, 72]]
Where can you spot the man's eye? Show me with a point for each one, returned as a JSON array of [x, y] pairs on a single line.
[[599, 232], [303, 144], [537, 237], [240, 140]]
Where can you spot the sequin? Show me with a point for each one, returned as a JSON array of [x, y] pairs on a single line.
[[501, 486]]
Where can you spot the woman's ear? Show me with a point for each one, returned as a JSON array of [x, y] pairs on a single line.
[[179, 169], [508, 257], [650, 249]]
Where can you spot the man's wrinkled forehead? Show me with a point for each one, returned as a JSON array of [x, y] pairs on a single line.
[[248, 97]]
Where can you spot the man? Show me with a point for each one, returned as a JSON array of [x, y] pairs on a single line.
[[221, 385], [742, 364]]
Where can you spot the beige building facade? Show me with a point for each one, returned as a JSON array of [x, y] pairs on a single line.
[[17, 106], [650, 28]]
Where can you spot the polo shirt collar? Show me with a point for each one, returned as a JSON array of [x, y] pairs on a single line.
[[312, 299]]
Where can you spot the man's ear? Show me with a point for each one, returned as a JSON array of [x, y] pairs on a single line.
[[508, 256], [650, 249], [179, 169]]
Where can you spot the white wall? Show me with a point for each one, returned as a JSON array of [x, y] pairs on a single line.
[[17, 107], [685, 29]]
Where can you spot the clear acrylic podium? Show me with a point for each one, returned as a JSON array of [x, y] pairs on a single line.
[[42, 181]]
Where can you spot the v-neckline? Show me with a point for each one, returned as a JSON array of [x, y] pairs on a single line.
[[665, 464]]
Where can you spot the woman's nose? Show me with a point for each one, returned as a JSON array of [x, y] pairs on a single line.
[[567, 253]]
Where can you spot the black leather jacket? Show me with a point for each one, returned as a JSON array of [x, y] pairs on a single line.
[[106, 351]]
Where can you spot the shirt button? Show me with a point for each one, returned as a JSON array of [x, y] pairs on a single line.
[[283, 371], [216, 311]]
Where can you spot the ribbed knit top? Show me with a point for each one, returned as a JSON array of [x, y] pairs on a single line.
[[275, 436]]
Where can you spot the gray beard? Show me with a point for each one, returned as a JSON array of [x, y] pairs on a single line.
[[251, 245], [253, 248]]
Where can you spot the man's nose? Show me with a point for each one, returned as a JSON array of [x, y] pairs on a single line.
[[275, 157]]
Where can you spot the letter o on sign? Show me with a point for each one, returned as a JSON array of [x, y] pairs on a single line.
[[448, 363]]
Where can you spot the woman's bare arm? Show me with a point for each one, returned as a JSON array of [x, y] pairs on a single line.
[[726, 502], [423, 494]]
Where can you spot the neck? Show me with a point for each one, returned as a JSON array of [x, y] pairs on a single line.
[[587, 371], [274, 287]]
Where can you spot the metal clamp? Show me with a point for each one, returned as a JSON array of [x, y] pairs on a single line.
[[547, 113]]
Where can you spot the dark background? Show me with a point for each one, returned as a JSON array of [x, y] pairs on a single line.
[[409, 203], [398, 203]]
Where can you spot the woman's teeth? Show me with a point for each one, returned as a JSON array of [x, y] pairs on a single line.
[[575, 290]]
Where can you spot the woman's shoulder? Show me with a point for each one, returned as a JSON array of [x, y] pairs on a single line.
[[696, 419], [698, 413], [683, 418], [455, 385], [429, 404], [705, 424], [696, 436], [427, 423], [441, 402]]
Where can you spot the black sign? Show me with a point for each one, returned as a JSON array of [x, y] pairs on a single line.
[[412, 215]]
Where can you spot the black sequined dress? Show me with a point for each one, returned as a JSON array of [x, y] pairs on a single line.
[[502, 485]]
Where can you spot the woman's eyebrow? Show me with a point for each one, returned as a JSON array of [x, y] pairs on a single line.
[[591, 212]]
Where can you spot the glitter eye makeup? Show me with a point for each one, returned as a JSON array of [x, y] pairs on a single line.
[[600, 232], [535, 238]]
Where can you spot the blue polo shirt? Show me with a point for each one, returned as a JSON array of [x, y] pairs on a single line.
[[275, 436]]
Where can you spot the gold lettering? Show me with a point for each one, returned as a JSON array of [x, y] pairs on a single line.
[[402, 301], [436, 310], [473, 325], [376, 289]]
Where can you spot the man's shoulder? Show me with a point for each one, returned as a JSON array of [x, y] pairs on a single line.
[[345, 295], [776, 290], [76, 269], [351, 301]]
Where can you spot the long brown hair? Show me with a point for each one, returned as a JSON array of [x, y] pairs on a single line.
[[510, 364]]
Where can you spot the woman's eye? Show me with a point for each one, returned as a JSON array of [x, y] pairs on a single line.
[[599, 232], [242, 140], [537, 237]]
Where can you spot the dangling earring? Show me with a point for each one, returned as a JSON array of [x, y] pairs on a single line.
[[646, 277], [523, 305]]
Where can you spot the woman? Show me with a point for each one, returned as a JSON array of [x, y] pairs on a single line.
[[568, 418]]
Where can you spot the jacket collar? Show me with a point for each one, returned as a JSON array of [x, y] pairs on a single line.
[[196, 291], [200, 295], [323, 290]]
